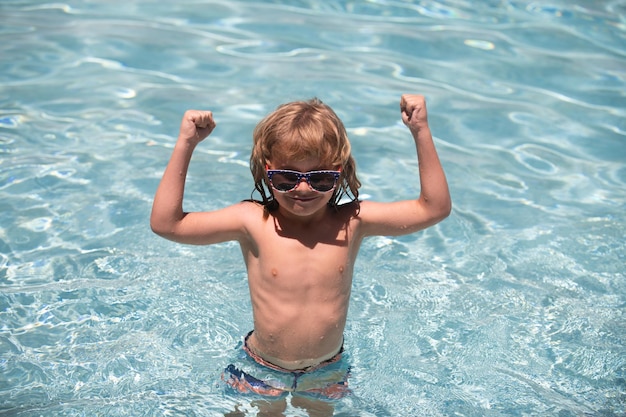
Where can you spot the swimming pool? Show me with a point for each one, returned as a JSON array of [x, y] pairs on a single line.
[[513, 306]]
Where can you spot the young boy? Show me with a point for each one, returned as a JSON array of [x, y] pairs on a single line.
[[299, 243]]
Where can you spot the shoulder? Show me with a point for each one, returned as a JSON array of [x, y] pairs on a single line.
[[247, 208]]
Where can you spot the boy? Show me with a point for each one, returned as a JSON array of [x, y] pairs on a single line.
[[299, 243]]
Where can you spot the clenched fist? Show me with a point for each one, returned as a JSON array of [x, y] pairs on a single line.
[[413, 109], [196, 126]]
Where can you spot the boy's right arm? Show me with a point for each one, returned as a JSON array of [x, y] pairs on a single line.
[[168, 218]]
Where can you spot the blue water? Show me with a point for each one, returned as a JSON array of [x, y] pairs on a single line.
[[513, 306]]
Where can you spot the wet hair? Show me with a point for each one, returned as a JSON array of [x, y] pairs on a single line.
[[298, 131]]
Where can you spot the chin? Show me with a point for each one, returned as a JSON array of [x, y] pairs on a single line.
[[305, 206]]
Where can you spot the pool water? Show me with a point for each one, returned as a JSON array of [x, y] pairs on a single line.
[[513, 306]]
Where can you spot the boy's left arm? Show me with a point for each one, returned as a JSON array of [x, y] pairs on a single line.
[[434, 203]]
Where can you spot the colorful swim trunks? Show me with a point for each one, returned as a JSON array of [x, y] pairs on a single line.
[[251, 374]]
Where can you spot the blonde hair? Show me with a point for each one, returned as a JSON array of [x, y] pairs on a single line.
[[297, 131]]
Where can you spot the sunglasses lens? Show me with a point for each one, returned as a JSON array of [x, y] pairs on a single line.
[[322, 181], [284, 181]]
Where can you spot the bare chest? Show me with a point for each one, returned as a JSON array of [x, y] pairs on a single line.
[[309, 259]]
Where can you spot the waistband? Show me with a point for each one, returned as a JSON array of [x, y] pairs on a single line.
[[258, 359]]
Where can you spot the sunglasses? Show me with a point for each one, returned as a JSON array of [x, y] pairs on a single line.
[[284, 180]]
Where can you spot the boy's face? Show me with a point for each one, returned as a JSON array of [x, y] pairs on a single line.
[[302, 201]]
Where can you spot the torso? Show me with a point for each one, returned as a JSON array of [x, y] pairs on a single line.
[[300, 281]]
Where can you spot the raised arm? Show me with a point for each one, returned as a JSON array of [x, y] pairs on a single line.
[[168, 218], [434, 203]]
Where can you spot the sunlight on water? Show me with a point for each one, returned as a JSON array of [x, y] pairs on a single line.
[[514, 305]]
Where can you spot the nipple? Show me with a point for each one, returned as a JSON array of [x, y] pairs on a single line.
[[274, 272]]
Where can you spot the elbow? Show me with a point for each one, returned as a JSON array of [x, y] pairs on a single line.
[[160, 228], [441, 213], [156, 228], [439, 210], [446, 209], [165, 225]]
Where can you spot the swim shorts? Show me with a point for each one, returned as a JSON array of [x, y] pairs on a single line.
[[251, 374]]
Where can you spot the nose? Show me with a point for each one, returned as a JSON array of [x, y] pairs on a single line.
[[306, 184]]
